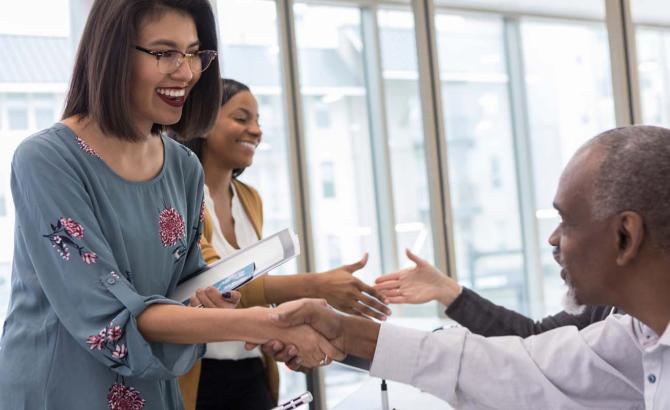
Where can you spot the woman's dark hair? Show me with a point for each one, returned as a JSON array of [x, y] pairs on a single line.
[[100, 87], [229, 89]]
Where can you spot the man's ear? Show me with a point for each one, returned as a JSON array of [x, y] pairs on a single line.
[[630, 235]]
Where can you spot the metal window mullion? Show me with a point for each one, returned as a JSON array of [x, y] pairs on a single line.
[[379, 147], [513, 14], [623, 60], [519, 113], [298, 160], [430, 87]]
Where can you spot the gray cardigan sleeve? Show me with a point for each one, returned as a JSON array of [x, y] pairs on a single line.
[[485, 318]]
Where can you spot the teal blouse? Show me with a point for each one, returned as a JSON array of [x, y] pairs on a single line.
[[91, 252]]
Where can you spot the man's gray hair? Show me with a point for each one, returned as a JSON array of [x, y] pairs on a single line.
[[635, 176]]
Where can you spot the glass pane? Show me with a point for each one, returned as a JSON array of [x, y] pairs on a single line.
[[47, 18], [248, 33], [569, 93], [575, 8], [37, 53], [653, 59], [337, 141], [482, 171], [17, 118], [406, 145], [44, 117], [652, 31], [650, 12]]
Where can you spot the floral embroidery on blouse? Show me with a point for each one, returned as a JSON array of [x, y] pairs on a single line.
[[64, 235], [86, 148], [122, 397], [172, 231], [171, 226], [107, 339], [202, 211]]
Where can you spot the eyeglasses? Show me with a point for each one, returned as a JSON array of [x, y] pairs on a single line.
[[169, 61]]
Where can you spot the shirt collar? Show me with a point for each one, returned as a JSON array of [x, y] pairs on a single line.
[[665, 337]]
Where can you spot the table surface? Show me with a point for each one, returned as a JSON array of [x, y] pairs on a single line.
[[401, 397]]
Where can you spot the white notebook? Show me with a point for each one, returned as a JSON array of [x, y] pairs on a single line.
[[242, 266]]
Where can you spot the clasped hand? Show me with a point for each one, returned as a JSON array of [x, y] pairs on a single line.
[[313, 314], [309, 328]]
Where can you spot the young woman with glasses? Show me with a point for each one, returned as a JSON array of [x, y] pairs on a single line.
[[108, 220]]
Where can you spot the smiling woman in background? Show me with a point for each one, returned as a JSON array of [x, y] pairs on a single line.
[[230, 376], [108, 219]]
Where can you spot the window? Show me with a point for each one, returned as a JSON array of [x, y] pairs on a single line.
[[249, 52], [43, 107], [334, 256], [328, 180], [3, 205], [332, 78], [37, 53], [18, 118], [322, 117], [652, 22], [501, 198], [405, 141], [486, 216], [569, 94]]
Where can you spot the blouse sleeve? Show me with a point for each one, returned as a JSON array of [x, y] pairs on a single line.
[[77, 272]]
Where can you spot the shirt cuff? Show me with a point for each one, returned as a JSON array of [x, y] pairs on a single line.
[[397, 353]]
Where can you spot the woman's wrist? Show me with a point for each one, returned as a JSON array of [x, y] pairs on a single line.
[[449, 291], [280, 289], [311, 282], [249, 325]]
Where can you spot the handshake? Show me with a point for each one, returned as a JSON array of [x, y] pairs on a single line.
[[302, 333], [309, 333]]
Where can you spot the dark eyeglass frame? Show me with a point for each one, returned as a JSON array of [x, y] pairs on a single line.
[[184, 56]]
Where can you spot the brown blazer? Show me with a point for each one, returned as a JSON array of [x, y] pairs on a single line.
[[253, 294]]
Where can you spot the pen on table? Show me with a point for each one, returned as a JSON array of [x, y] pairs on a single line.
[[385, 396], [295, 403]]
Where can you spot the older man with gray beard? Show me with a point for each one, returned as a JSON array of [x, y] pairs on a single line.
[[613, 244]]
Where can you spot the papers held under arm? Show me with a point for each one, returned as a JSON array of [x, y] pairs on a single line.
[[265, 255]]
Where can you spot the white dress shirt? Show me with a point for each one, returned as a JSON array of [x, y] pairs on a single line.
[[245, 235], [617, 363]]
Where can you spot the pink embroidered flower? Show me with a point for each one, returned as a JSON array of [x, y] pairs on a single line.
[[114, 333], [171, 226], [96, 341], [56, 239], [121, 397], [87, 148], [72, 227], [202, 211], [89, 257], [120, 351]]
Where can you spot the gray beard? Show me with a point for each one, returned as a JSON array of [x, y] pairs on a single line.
[[570, 304]]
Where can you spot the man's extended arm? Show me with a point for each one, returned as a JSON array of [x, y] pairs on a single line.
[[599, 367], [483, 317]]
